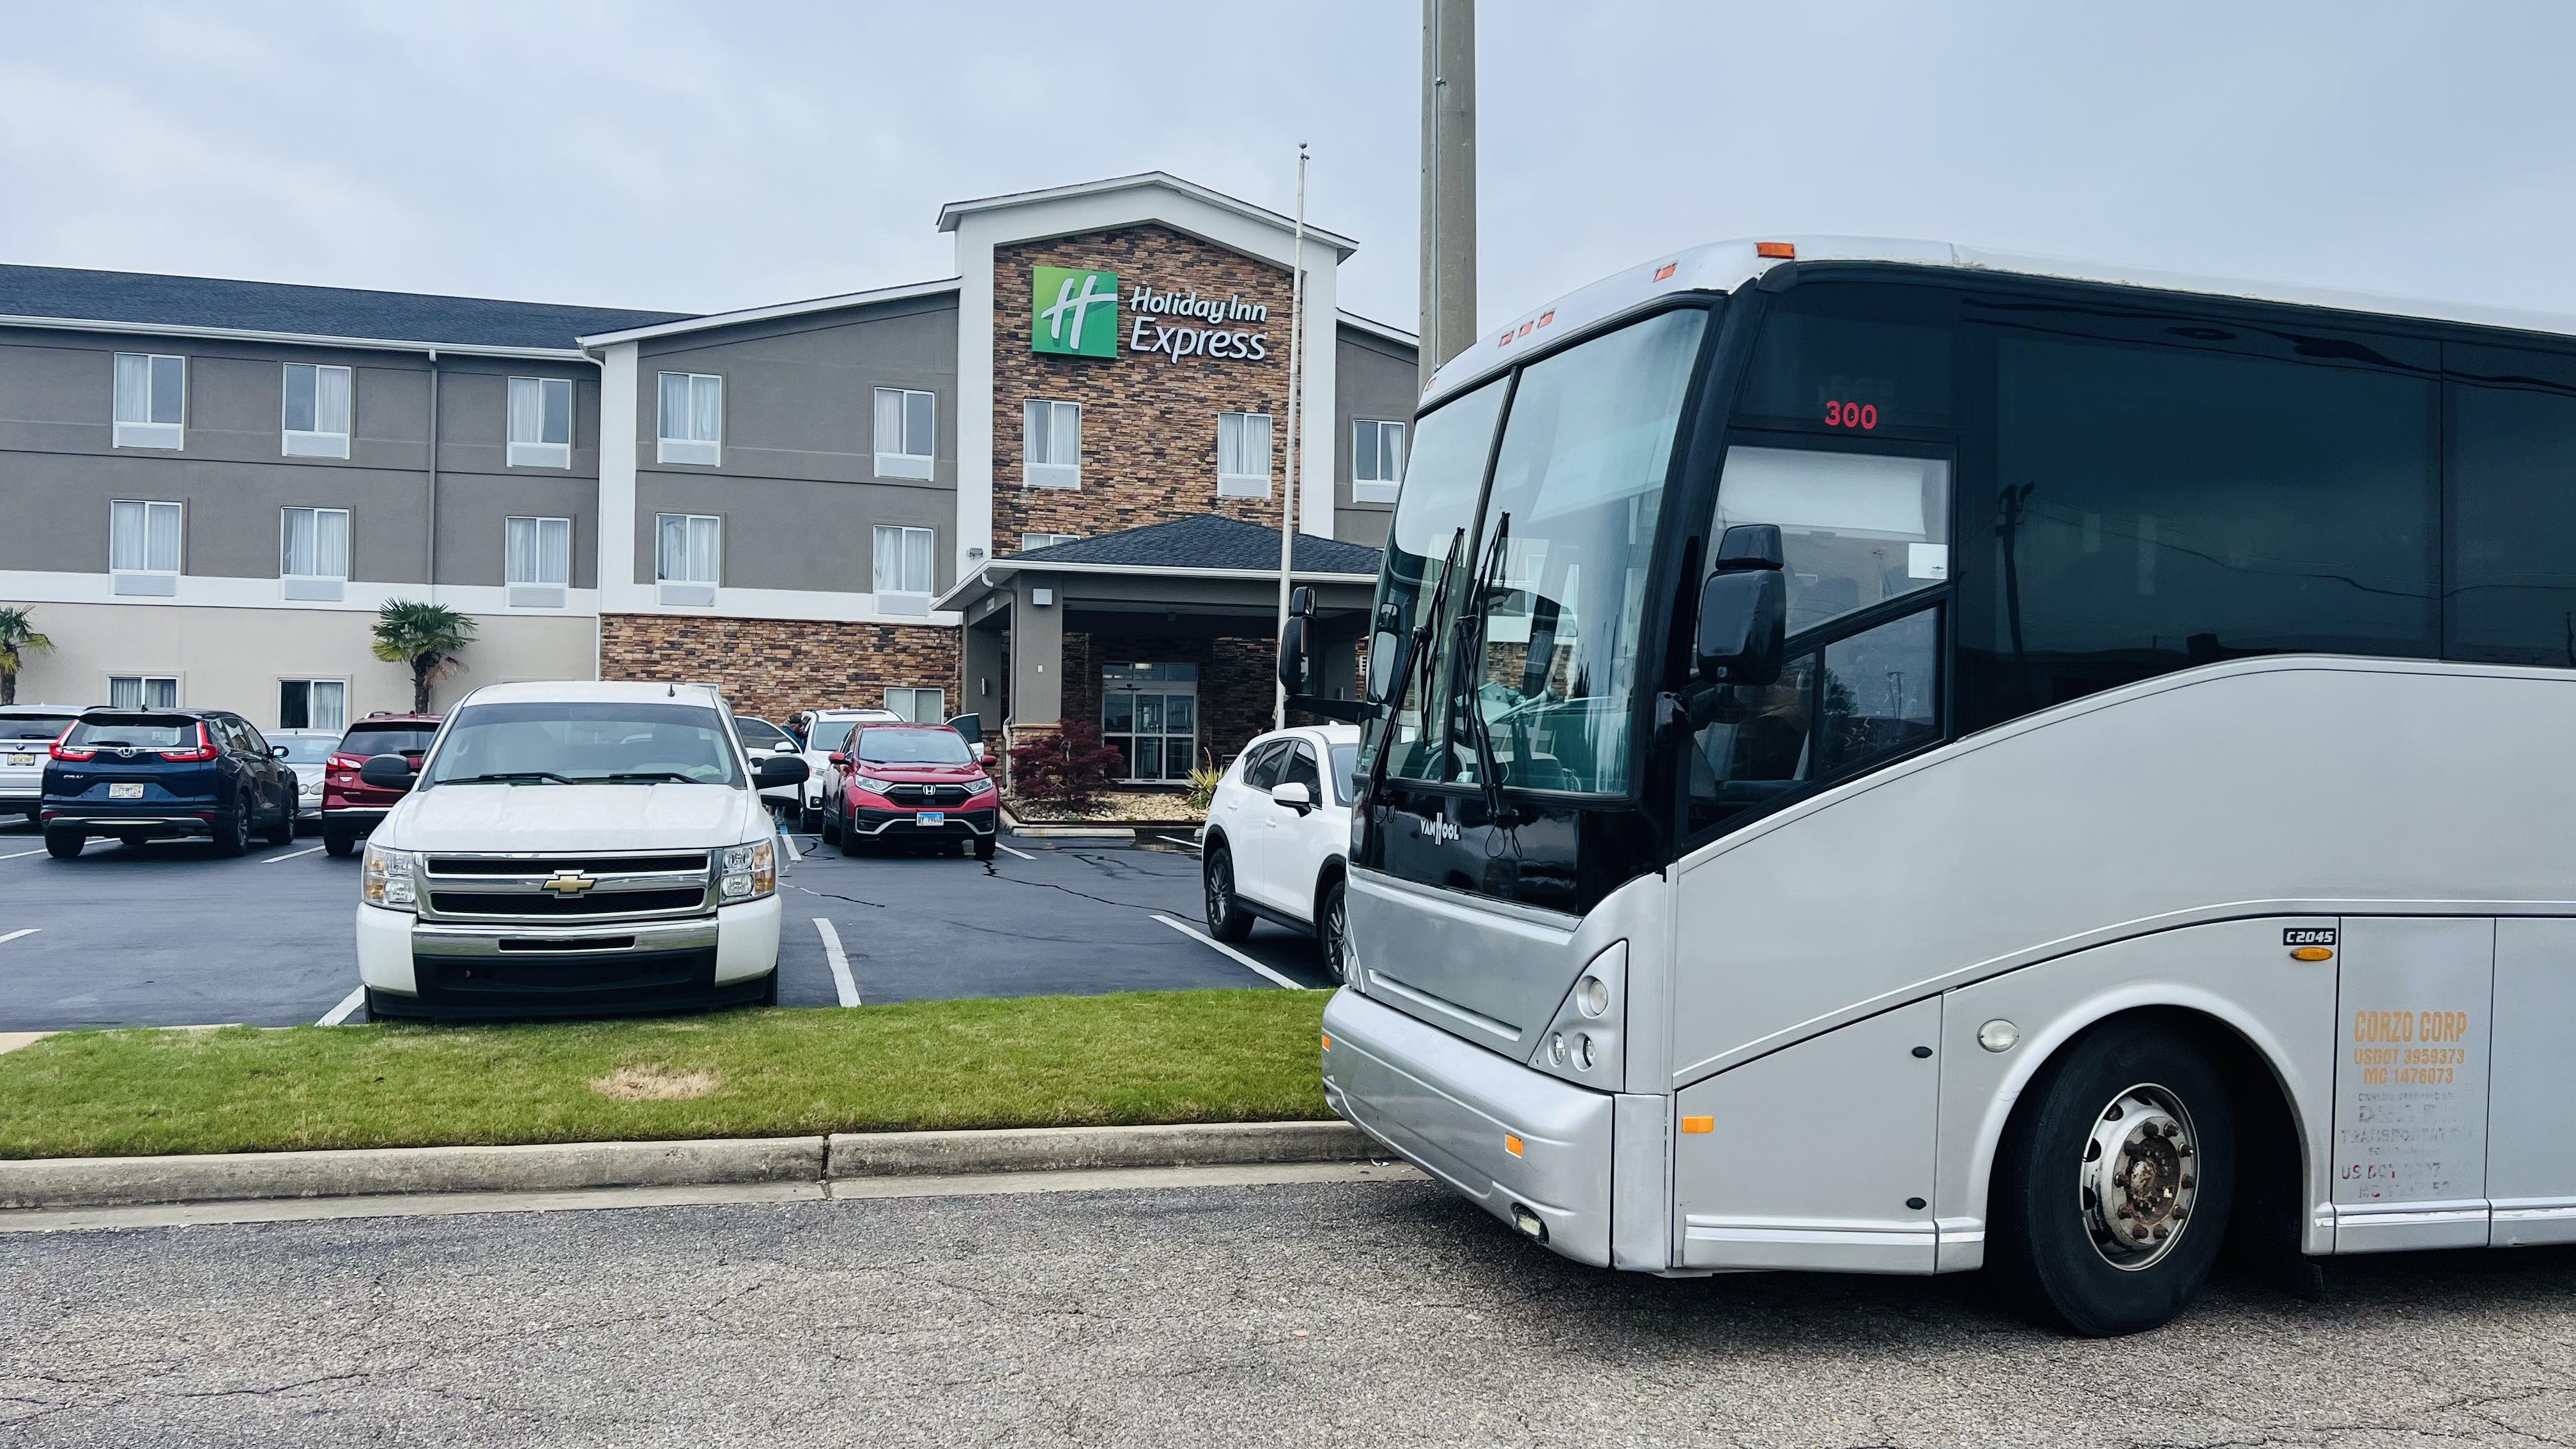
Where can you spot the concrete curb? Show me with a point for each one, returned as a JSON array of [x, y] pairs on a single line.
[[93, 1182], [1075, 832]]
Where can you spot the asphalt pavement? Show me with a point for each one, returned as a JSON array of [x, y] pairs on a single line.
[[1356, 1314], [170, 935]]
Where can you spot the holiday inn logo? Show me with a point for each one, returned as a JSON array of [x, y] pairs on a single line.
[[1075, 312]]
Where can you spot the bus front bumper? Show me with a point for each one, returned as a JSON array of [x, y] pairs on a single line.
[[1532, 1150]]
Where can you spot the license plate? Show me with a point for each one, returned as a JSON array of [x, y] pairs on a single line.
[[932, 817], [19, 759], [125, 792]]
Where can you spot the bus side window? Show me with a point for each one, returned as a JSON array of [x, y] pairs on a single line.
[[2509, 480]]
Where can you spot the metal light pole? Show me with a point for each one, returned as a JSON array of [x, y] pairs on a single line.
[[1448, 181], [1296, 385]]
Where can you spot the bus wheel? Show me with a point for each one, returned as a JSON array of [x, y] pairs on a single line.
[[2114, 1182]]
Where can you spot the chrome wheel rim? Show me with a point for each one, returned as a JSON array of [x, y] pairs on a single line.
[[2139, 1176], [1336, 941], [1219, 890]]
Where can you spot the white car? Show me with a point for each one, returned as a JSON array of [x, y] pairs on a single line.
[[574, 847], [308, 753], [759, 738], [827, 730], [27, 735], [1277, 835]]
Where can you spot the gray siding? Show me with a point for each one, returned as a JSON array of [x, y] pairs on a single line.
[[1372, 378], [786, 534]]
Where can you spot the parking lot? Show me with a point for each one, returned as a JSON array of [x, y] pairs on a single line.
[[170, 935]]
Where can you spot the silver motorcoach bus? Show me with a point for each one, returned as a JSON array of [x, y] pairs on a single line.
[[1887, 758]]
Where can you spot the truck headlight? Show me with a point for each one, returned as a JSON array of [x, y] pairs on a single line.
[[386, 879], [750, 872]]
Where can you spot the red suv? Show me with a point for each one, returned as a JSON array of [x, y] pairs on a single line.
[[918, 783], [350, 806]]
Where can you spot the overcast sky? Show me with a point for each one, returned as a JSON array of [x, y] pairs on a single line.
[[700, 157]]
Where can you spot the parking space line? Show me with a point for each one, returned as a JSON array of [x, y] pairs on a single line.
[[789, 841], [997, 845], [14, 935], [340, 1013], [1180, 840], [1204, 939], [14, 855], [841, 981], [290, 855]]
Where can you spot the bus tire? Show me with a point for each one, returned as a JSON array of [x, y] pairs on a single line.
[[2114, 1182]]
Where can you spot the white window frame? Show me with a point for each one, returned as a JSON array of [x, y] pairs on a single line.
[[686, 447], [910, 457], [912, 703], [1032, 542], [1050, 475], [900, 597], [538, 452], [689, 591], [542, 592], [143, 690], [1381, 488], [1237, 483], [341, 684], [142, 432], [325, 586], [147, 579], [316, 441]]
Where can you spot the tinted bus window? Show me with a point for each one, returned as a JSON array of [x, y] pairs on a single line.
[[2510, 578], [2152, 508], [1854, 358]]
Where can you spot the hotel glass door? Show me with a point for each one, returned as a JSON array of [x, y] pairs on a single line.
[[1150, 714]]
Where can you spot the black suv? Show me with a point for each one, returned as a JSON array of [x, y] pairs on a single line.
[[139, 774]]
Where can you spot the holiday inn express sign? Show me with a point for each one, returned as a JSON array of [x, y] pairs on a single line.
[[1075, 314]]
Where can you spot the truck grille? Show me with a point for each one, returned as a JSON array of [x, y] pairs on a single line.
[[586, 887]]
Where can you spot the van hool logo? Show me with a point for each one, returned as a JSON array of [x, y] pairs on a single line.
[[1077, 312], [1076, 315]]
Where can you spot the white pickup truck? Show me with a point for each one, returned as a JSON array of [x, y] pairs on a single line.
[[574, 847]]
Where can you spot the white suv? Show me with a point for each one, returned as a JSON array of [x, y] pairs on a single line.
[[826, 730], [574, 847], [1277, 835]]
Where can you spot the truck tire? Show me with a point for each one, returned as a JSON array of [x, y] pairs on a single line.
[[2114, 1182], [1227, 920]]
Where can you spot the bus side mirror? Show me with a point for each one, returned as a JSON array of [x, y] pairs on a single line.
[[1294, 646], [1744, 609]]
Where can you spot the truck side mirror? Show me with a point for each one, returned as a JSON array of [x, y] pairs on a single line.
[[1744, 609], [1301, 602], [387, 772], [780, 770]]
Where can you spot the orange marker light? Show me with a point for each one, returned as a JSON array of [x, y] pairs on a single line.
[[1525, 329], [2312, 953], [1511, 1144], [1666, 270], [1546, 317], [1699, 1124], [1328, 1041], [1785, 251]]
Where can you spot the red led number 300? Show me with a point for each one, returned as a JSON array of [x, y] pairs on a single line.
[[1863, 416]]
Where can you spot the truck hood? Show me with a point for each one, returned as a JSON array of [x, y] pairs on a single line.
[[572, 817]]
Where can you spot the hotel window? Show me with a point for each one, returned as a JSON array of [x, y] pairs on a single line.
[[1377, 460], [903, 570], [143, 547], [151, 400], [921, 706], [540, 422], [313, 704], [692, 418], [1032, 542], [689, 556], [538, 566], [906, 432], [1243, 455], [313, 553], [1051, 440], [142, 691], [317, 412]]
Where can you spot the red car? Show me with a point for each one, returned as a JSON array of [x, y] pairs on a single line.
[[910, 784], [350, 806]]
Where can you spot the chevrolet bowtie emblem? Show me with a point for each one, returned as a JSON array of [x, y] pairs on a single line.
[[570, 882]]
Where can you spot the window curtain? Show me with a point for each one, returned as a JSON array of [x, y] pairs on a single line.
[[706, 409], [125, 536], [522, 563], [1243, 444], [890, 420], [675, 405], [124, 693], [903, 559], [329, 706], [161, 537], [1390, 452], [688, 549], [527, 415], [331, 404], [1054, 432], [301, 554], [672, 555], [331, 525], [133, 388], [554, 550]]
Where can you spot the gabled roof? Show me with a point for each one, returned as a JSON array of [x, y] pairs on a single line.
[[943, 286], [948, 215], [151, 302], [1208, 541], [1376, 328]]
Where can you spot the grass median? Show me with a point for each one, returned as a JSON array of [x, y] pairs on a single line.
[[1044, 1061]]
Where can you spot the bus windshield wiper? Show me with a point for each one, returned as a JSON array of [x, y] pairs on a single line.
[[1470, 642], [1417, 661], [509, 777]]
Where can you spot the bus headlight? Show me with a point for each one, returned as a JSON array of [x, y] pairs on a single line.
[[386, 879], [1591, 995], [749, 872], [1586, 1040]]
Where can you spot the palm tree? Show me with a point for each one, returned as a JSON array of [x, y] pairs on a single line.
[[428, 637], [18, 638]]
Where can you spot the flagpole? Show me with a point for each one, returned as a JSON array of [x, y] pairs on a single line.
[[1296, 384]]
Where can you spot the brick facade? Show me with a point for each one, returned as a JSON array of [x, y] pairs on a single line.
[[1148, 420], [774, 667]]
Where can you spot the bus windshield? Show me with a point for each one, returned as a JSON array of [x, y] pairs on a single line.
[[1538, 671]]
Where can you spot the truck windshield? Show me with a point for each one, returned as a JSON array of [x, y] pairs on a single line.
[[1539, 671], [586, 743]]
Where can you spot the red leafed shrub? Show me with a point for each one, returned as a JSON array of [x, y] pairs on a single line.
[[1069, 766]]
